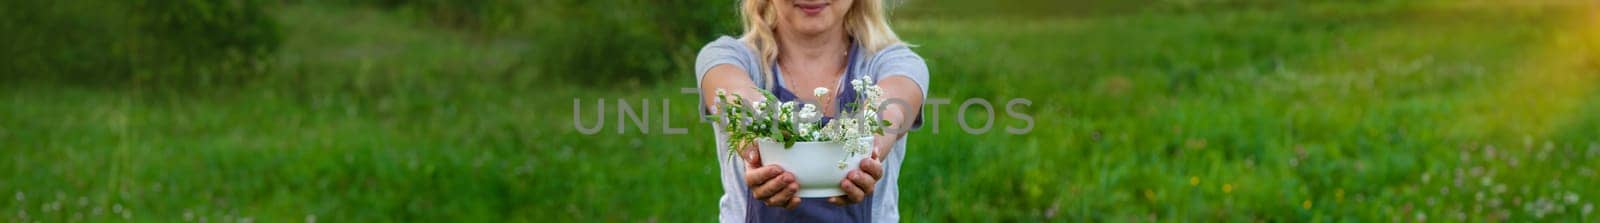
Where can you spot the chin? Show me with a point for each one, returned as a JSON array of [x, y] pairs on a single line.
[[812, 27]]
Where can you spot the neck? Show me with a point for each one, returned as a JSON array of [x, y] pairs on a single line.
[[821, 53]]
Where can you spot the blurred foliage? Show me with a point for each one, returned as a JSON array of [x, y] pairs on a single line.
[[592, 42], [491, 16], [610, 41], [153, 41]]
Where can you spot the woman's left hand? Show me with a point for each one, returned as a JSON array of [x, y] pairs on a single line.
[[859, 183]]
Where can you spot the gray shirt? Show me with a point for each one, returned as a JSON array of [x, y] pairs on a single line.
[[895, 60]]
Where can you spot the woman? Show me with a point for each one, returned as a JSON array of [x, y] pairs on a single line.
[[806, 44]]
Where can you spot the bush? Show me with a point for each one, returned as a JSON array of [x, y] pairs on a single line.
[[611, 41], [206, 39], [484, 16], [158, 41], [47, 39]]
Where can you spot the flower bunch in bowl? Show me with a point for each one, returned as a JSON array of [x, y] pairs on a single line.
[[794, 135]]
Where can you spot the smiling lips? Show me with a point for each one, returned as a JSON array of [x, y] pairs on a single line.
[[812, 9]]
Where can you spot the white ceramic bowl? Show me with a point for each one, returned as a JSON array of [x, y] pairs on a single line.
[[815, 164]]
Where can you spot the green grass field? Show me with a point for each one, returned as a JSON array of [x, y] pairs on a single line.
[[1291, 111]]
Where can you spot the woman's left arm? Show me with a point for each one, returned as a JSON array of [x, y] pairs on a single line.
[[902, 104]]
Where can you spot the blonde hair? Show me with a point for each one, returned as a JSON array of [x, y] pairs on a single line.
[[866, 22]]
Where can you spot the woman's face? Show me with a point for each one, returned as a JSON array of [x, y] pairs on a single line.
[[811, 17]]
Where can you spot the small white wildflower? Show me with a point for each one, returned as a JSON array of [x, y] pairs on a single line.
[[819, 92], [808, 113], [856, 82], [1572, 198], [877, 95], [787, 113], [804, 128], [856, 146], [1588, 208], [842, 164], [848, 127], [761, 106], [20, 196], [721, 91]]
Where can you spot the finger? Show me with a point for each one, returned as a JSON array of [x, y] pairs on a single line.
[[773, 202], [772, 187], [881, 147], [873, 168], [793, 202], [837, 200], [852, 193], [753, 157], [861, 181], [761, 175], [782, 198]]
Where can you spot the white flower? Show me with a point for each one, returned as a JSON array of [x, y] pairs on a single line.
[[804, 128], [720, 91], [848, 127], [875, 94], [760, 107], [808, 113], [856, 82], [820, 91], [786, 112]]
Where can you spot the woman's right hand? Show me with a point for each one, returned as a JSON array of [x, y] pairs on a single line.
[[770, 183]]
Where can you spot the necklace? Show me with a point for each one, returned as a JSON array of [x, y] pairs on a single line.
[[837, 81], [834, 90]]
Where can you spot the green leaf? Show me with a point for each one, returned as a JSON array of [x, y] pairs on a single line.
[[770, 97]]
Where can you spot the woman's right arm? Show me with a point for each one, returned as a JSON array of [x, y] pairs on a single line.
[[770, 183]]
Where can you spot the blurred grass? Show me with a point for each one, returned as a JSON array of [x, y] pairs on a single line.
[[1165, 110]]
